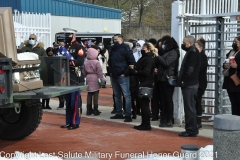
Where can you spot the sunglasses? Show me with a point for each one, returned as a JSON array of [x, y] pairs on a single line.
[[31, 38]]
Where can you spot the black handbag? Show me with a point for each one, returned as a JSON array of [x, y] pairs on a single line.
[[145, 92], [172, 80]]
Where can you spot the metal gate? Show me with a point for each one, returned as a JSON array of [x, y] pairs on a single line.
[[31, 23], [219, 33], [210, 20]]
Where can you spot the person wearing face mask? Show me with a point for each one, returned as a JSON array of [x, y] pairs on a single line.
[[120, 57], [104, 56], [167, 66], [32, 45], [143, 71], [228, 84], [137, 51], [188, 81]]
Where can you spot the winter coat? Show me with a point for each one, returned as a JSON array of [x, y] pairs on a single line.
[[105, 64], [145, 69], [38, 49], [92, 71], [202, 76], [120, 57], [228, 82], [167, 65], [190, 68]]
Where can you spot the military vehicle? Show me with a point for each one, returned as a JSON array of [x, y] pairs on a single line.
[[21, 85]]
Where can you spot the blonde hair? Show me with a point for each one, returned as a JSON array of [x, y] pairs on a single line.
[[155, 51], [149, 46]]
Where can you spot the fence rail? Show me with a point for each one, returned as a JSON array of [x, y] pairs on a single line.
[[31, 23]]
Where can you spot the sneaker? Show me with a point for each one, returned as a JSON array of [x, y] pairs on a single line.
[[166, 124], [117, 117], [128, 119], [60, 108]]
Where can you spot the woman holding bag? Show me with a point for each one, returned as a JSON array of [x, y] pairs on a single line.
[[234, 68], [143, 72]]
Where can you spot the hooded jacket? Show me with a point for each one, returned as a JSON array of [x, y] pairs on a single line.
[[93, 71], [137, 51], [38, 49]]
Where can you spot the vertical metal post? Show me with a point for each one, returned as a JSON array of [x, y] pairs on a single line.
[[219, 62]]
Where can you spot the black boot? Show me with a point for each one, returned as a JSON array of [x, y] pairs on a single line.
[[134, 114], [142, 123], [199, 122], [145, 125], [47, 104], [96, 112], [89, 109], [61, 102], [43, 103]]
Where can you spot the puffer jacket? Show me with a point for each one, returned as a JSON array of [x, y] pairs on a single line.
[[38, 49], [93, 71], [167, 65]]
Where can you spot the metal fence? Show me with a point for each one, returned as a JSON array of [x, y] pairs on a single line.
[[31, 23]]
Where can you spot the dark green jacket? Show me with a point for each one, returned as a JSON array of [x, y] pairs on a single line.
[[39, 49]]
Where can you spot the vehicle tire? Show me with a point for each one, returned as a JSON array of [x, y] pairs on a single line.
[[15, 126]]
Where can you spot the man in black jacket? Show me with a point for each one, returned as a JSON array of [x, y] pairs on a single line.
[[120, 57], [188, 79]]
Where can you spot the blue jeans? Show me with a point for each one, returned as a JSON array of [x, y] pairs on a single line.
[[121, 85]]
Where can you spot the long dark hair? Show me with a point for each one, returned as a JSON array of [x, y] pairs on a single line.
[[101, 52], [50, 49]]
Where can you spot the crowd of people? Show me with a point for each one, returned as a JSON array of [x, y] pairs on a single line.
[[137, 65]]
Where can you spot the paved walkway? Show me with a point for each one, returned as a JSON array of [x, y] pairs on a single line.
[[206, 131]]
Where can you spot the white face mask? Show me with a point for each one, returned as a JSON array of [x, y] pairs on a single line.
[[139, 49], [163, 46], [32, 42], [100, 47]]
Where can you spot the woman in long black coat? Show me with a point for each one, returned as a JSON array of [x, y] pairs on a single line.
[[228, 84], [167, 65], [143, 72]]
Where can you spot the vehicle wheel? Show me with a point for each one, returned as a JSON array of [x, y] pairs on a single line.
[[14, 126]]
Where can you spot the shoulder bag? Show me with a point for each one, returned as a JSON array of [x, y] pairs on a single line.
[[172, 80], [145, 92], [235, 79]]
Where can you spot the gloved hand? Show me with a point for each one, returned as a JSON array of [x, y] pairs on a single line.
[[132, 71]]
